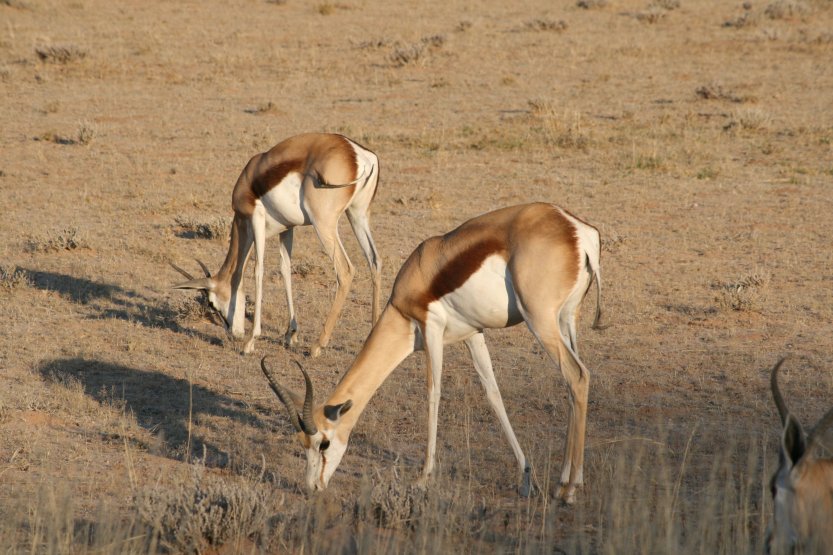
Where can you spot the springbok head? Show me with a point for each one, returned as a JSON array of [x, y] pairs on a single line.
[[802, 487], [217, 299], [316, 427]]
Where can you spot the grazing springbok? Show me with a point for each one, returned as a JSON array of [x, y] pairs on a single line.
[[531, 263], [309, 179], [802, 487]]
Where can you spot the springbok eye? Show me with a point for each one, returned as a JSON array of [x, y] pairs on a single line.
[[324, 445]]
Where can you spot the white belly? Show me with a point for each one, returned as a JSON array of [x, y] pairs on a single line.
[[485, 300], [283, 205]]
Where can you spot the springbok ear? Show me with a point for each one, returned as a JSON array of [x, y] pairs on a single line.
[[334, 412], [793, 444]]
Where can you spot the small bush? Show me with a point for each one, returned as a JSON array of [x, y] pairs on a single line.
[[786, 9], [417, 52], [546, 25], [211, 229], [12, 277], [591, 4], [60, 54], [746, 294], [68, 239], [86, 133], [202, 511]]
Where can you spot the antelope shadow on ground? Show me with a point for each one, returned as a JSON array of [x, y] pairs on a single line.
[[106, 300]]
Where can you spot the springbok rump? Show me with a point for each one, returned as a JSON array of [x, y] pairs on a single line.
[[309, 179], [802, 487], [532, 263]]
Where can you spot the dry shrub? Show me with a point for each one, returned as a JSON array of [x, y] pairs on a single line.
[[716, 91], [185, 309], [746, 19], [591, 4], [392, 502], [745, 294], [60, 54], [417, 52], [68, 238], [215, 228], [86, 133], [539, 24], [786, 9], [202, 510], [652, 15], [12, 277], [665, 4], [751, 118]]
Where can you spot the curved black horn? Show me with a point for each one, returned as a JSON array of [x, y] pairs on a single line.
[[283, 395], [307, 421], [181, 271], [204, 268], [776, 393], [819, 428]]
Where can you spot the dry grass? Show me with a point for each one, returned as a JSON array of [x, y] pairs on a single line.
[[699, 150], [55, 240]]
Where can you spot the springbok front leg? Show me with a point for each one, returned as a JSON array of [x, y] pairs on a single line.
[[286, 240], [258, 224], [433, 335], [483, 364]]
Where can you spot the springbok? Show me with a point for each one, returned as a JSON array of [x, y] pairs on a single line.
[[802, 487], [532, 263], [309, 179]]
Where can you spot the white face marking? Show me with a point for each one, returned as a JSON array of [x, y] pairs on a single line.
[[322, 463], [485, 300]]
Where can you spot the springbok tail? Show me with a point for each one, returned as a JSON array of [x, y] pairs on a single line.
[[325, 185]]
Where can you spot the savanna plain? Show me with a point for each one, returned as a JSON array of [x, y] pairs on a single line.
[[696, 135]]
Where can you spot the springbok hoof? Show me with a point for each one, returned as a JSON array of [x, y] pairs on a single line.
[[527, 488], [249, 347], [316, 351], [567, 493], [290, 338]]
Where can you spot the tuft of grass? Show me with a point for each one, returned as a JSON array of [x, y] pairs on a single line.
[[60, 54], [86, 133], [68, 238], [562, 130], [651, 15], [418, 52], [189, 309], [748, 293], [591, 4], [540, 24], [268, 107], [12, 277], [215, 228], [202, 511], [746, 19], [716, 91], [786, 9], [707, 173], [752, 118]]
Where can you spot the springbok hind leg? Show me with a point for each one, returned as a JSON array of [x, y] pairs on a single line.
[[483, 364], [547, 331]]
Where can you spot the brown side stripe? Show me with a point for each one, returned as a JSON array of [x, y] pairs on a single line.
[[265, 181], [461, 267]]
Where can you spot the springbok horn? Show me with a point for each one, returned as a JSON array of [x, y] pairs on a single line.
[[283, 395], [776, 393], [307, 421], [204, 268], [819, 428], [181, 271]]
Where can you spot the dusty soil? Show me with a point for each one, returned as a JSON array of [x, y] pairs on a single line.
[[696, 135]]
